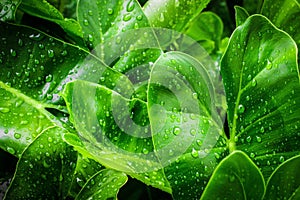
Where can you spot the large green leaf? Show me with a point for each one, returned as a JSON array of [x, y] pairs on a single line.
[[236, 177], [284, 14], [45, 169], [186, 128], [45, 10], [173, 14], [261, 80], [105, 184], [284, 182]]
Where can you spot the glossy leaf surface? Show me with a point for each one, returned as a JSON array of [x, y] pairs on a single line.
[[236, 177], [45, 169], [261, 80], [284, 182]]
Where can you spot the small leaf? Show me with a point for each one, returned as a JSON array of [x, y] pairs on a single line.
[[105, 184], [284, 182], [45, 169], [236, 177], [241, 15]]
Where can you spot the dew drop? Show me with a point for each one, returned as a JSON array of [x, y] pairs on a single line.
[[194, 153], [139, 17], [262, 129], [50, 53], [193, 131], [85, 22], [269, 65], [110, 11], [4, 110], [90, 38], [252, 155], [90, 13], [11, 150], [127, 17], [258, 139], [17, 135], [253, 83], [13, 53], [162, 17], [241, 109], [145, 151], [20, 42], [130, 6], [50, 139], [176, 131], [49, 78], [248, 139], [281, 159]]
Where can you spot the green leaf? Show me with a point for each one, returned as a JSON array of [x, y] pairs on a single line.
[[241, 15], [261, 79], [236, 177], [284, 182], [176, 15], [45, 169], [186, 128], [45, 10], [113, 130], [105, 184], [21, 120], [208, 27], [284, 14], [8, 10]]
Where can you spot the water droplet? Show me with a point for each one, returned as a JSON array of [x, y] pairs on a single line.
[[127, 17], [262, 129], [193, 131], [13, 53], [258, 139], [90, 38], [4, 110], [11, 150], [90, 13], [269, 65], [130, 6], [24, 122], [110, 11], [176, 131], [145, 151], [85, 22], [253, 82], [281, 159], [50, 53], [20, 42], [162, 17], [17, 135], [241, 109], [248, 139], [194, 153], [36, 37], [64, 53], [50, 139], [195, 95], [139, 17], [252, 155], [49, 78]]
